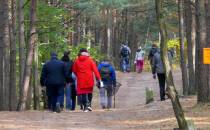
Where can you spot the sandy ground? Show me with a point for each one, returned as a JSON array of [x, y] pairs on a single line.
[[131, 112]]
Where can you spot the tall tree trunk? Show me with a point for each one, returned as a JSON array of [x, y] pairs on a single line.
[[36, 79], [190, 35], [182, 54], [171, 90], [12, 93], [125, 14], [21, 38], [4, 49], [201, 70], [207, 10], [109, 31], [32, 43]]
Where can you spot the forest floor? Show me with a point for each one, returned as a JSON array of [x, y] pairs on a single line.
[[131, 112]]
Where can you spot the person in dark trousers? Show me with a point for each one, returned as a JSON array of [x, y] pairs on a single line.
[[158, 68], [73, 92], [85, 70], [69, 81], [125, 53], [108, 77], [53, 77]]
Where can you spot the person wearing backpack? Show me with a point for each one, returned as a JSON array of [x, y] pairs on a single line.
[[125, 55], [108, 77]]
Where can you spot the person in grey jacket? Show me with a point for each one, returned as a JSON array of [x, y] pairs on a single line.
[[158, 68]]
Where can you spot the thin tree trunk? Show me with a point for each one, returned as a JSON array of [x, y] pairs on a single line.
[[190, 36], [36, 79], [171, 90], [4, 55], [21, 38], [12, 93], [207, 10], [200, 71], [109, 31], [125, 38], [182, 55], [32, 43]]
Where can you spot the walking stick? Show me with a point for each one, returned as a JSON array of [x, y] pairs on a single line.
[[114, 96]]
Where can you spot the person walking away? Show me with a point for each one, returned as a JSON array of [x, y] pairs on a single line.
[[85, 70], [152, 51], [68, 70], [139, 60], [125, 55], [108, 76], [158, 68], [53, 77]]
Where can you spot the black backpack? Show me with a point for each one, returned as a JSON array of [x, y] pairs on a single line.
[[124, 52], [105, 73]]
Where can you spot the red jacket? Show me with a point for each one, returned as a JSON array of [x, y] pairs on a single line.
[[85, 69]]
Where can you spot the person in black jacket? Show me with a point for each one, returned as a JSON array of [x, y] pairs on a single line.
[[69, 81], [53, 77]]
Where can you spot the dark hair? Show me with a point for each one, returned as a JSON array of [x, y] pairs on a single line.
[[65, 58], [154, 45], [82, 50], [67, 53]]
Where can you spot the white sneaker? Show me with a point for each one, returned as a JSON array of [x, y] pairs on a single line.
[[89, 108], [86, 110]]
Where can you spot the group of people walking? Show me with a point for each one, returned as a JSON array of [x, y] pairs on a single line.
[[64, 77], [125, 54], [154, 60]]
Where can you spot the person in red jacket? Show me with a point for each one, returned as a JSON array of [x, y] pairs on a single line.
[[85, 68]]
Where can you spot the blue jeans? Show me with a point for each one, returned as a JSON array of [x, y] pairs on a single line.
[[125, 64], [68, 97]]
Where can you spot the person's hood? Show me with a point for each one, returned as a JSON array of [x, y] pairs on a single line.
[[83, 58], [105, 63]]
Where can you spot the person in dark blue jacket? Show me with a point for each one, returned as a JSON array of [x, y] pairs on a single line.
[[108, 76], [53, 77]]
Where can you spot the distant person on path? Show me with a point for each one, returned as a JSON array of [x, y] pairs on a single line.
[[85, 70], [108, 77], [68, 90], [158, 68], [125, 53], [139, 60], [152, 51], [53, 77]]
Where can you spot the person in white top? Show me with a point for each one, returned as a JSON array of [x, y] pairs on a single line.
[[139, 60]]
